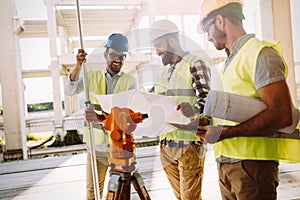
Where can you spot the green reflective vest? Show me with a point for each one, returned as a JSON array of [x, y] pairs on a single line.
[[238, 78], [97, 85], [180, 88]]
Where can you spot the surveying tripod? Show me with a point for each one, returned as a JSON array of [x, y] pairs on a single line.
[[119, 186], [121, 122]]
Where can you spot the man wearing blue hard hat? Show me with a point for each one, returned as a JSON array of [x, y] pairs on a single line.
[[105, 81]]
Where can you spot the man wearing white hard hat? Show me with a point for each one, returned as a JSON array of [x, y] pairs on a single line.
[[186, 78], [248, 162]]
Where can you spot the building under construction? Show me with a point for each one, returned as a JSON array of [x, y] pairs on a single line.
[[59, 33]]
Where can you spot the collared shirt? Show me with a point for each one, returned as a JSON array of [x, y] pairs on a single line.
[[111, 82], [201, 82], [201, 74], [171, 70], [73, 87]]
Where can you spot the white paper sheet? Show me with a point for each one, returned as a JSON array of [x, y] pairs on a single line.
[[160, 109]]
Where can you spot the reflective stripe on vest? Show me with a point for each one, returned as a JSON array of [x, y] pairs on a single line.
[[179, 92], [238, 78], [259, 148]]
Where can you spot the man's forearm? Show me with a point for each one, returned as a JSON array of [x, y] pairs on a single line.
[[262, 124], [74, 75]]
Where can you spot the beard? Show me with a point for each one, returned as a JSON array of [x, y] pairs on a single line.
[[221, 36], [115, 67], [167, 56]]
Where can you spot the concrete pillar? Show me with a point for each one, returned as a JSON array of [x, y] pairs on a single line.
[[55, 66], [63, 44], [62, 36], [151, 11], [295, 5], [276, 25], [12, 84], [69, 46]]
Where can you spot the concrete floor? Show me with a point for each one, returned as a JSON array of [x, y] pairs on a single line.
[[63, 178]]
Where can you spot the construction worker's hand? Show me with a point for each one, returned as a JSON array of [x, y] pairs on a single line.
[[186, 109], [209, 134], [80, 57], [91, 116], [201, 120]]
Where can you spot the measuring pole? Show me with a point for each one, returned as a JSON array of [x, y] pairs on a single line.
[[88, 103]]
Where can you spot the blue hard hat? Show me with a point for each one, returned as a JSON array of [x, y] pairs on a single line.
[[118, 42]]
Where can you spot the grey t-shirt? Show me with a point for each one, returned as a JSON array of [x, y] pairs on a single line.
[[269, 69]]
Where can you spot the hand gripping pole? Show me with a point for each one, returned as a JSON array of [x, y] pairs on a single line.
[[88, 103]]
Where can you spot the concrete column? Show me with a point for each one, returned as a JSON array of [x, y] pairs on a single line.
[[70, 100], [62, 36], [69, 46], [63, 42], [276, 25], [12, 84], [151, 11], [295, 5], [55, 66]]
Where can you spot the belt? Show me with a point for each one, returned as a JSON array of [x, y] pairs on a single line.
[[178, 143]]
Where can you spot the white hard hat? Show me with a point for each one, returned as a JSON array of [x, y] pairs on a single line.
[[162, 27], [208, 6]]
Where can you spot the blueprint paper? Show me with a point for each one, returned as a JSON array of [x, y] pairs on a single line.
[[237, 108], [160, 109]]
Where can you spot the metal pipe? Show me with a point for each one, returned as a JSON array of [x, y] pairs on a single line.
[[88, 103]]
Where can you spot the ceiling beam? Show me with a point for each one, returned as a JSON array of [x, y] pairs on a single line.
[[101, 2]]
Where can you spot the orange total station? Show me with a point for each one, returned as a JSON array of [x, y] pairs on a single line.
[[121, 122]]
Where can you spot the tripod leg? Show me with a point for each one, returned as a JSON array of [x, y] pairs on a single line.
[[112, 187], [139, 186], [119, 187]]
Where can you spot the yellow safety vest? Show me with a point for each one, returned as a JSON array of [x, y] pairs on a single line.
[[97, 85], [238, 78], [180, 88]]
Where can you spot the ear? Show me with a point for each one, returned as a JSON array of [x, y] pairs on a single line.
[[105, 54], [172, 41], [220, 21]]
